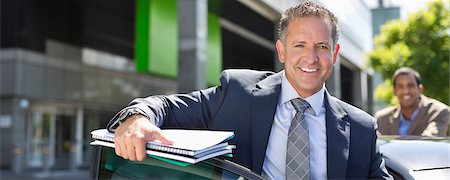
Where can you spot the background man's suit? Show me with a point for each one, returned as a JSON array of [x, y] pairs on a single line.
[[246, 102], [432, 119]]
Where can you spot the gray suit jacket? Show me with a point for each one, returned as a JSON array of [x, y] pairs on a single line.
[[431, 120], [246, 102]]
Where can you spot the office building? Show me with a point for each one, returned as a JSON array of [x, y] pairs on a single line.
[[66, 66]]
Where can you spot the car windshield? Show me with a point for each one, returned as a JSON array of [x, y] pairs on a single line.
[[112, 166]]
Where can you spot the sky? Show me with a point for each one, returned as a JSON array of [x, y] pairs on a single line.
[[406, 6]]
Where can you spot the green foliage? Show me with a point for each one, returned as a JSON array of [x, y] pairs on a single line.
[[384, 92], [422, 42]]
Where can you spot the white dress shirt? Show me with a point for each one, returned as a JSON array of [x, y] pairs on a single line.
[[274, 166]]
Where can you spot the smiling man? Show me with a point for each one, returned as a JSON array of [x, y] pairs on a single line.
[[308, 53], [286, 124], [417, 114]]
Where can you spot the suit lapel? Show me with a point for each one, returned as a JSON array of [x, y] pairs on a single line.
[[420, 119], [264, 103], [394, 122], [338, 139]]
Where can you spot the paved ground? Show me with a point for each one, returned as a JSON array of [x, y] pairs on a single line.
[[66, 175]]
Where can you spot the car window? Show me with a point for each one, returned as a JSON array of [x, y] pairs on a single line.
[[112, 166]]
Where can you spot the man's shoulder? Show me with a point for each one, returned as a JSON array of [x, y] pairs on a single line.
[[244, 76], [386, 112], [245, 73], [434, 104]]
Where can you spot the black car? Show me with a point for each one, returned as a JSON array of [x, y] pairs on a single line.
[[107, 165], [406, 158]]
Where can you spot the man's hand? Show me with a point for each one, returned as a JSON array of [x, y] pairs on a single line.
[[132, 135]]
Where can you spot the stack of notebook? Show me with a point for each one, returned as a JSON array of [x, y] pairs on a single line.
[[189, 146]]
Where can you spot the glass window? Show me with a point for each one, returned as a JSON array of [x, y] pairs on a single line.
[[64, 148], [38, 150]]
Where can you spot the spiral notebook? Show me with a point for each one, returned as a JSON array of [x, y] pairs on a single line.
[[189, 146]]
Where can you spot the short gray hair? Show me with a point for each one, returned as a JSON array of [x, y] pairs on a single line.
[[305, 9]]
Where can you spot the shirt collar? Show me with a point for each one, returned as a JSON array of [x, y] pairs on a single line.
[[288, 93], [413, 116]]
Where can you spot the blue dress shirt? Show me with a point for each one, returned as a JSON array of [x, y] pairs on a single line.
[[274, 166], [404, 124]]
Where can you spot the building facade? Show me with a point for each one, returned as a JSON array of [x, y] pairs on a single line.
[[66, 66]]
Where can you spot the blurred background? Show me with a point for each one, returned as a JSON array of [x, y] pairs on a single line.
[[66, 66]]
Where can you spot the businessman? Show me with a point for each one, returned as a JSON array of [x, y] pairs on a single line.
[[417, 114], [287, 125]]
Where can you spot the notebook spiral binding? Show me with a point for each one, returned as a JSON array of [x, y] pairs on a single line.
[[104, 138], [170, 149]]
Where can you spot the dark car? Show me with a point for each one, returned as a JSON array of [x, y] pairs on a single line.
[[406, 158], [107, 165]]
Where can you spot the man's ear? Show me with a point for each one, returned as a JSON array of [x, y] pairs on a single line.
[[280, 50], [421, 88], [336, 52]]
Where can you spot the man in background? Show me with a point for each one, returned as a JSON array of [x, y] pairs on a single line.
[[417, 114]]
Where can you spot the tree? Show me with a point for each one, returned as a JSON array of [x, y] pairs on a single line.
[[421, 42]]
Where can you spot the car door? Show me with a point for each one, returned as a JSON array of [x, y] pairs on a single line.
[[107, 165]]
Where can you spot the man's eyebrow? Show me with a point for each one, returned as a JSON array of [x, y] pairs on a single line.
[[324, 43], [298, 42]]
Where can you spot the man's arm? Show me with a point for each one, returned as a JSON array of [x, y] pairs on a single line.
[[182, 110], [132, 133], [192, 110], [196, 106]]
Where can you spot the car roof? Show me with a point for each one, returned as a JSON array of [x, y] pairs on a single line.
[[417, 153]]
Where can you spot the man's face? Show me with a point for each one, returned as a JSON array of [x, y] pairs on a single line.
[[407, 91], [307, 54]]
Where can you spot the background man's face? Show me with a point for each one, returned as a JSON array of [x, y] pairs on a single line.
[[307, 54], [407, 91]]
